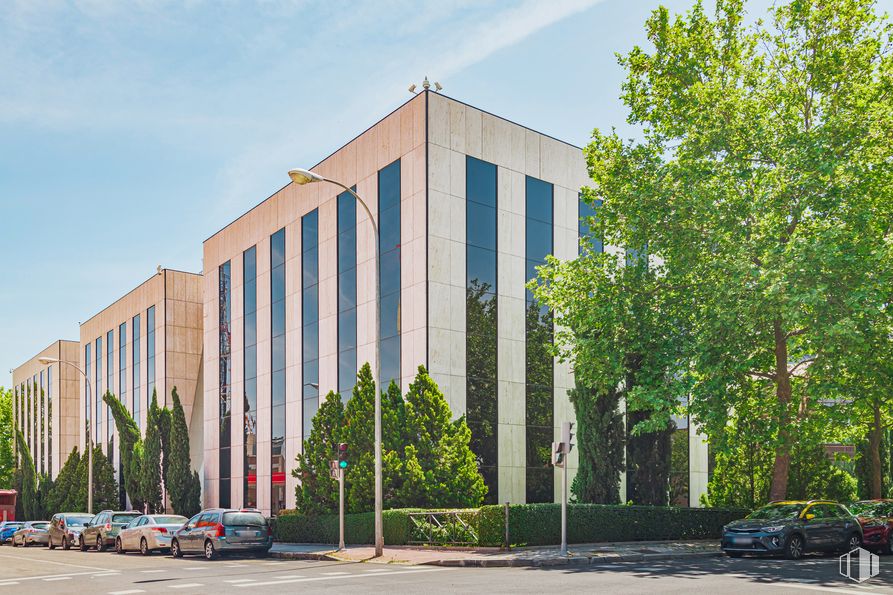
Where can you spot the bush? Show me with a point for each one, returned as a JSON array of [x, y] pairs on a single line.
[[359, 528], [540, 524]]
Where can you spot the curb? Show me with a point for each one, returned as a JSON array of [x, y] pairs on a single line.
[[325, 556], [580, 561]]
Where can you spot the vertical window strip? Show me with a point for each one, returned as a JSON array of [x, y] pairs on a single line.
[[49, 456], [35, 399], [277, 361], [481, 317], [249, 353], [589, 212], [347, 294], [136, 397], [97, 412], [88, 396], [225, 377], [110, 386], [310, 317], [150, 357], [41, 450], [538, 331], [390, 272]]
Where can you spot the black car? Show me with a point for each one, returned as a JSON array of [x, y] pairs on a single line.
[[791, 528]]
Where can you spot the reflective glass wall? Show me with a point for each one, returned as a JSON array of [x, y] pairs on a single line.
[[249, 354], [88, 394], [587, 213], [110, 387], [538, 328], [136, 398], [481, 312], [97, 387], [389, 249], [225, 377], [347, 294], [310, 317], [277, 299], [150, 357]]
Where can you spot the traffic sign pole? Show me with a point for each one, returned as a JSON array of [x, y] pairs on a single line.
[[341, 508]]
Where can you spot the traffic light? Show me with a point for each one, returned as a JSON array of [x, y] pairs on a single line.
[[342, 455], [567, 435], [557, 454]]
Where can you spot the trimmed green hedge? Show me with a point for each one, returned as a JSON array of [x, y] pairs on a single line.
[[358, 528], [540, 524]]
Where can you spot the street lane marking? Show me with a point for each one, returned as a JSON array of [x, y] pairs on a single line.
[[58, 578], [128, 592], [289, 576], [331, 578], [191, 585], [156, 570], [378, 570], [193, 568], [828, 589], [335, 573], [46, 576], [44, 561], [8, 584], [115, 573], [273, 563], [235, 565], [241, 580]]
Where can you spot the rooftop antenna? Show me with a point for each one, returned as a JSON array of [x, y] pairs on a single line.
[[158, 270], [426, 85]]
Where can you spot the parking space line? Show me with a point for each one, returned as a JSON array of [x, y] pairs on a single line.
[[241, 580], [288, 576], [335, 573], [191, 585], [378, 570], [10, 584], [332, 578], [128, 592], [58, 578], [44, 561], [274, 563], [155, 570], [46, 576], [193, 568]]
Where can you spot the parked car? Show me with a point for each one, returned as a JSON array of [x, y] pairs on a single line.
[[148, 533], [30, 533], [216, 531], [791, 528], [7, 528], [65, 529], [102, 529], [876, 517]]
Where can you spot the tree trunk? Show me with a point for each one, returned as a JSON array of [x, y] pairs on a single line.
[[782, 465], [874, 450]]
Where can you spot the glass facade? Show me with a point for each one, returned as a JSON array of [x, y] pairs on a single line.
[[310, 317], [225, 378], [389, 250], [39, 452], [277, 361], [481, 313], [150, 357], [49, 455], [97, 412], [135, 370], [586, 213], [249, 352], [122, 363], [679, 462], [538, 328], [35, 400], [347, 294], [110, 385], [88, 396]]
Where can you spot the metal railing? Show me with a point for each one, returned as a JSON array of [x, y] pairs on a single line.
[[449, 527]]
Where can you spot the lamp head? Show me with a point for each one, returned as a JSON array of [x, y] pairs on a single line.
[[304, 176], [47, 360]]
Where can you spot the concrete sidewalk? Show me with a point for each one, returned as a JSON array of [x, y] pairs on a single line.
[[579, 554]]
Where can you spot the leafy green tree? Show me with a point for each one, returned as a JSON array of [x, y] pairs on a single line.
[[128, 437], [164, 430], [317, 492], [135, 477], [601, 442], [18, 482], [7, 440], [150, 465], [43, 510], [105, 488], [28, 494], [762, 186], [179, 480]]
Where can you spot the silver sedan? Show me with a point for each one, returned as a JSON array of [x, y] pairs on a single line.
[[31, 532], [148, 533]]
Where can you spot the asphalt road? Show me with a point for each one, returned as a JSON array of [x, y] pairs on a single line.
[[38, 570]]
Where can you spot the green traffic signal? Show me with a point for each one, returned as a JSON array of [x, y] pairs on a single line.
[[342, 464]]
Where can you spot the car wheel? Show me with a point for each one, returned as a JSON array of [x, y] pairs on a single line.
[[144, 547], [82, 543], [100, 543], [853, 542], [210, 552], [50, 543], [119, 547], [176, 552], [65, 545], [13, 541], [793, 547]]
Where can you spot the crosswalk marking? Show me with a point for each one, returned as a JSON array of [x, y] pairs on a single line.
[[330, 578], [191, 585]]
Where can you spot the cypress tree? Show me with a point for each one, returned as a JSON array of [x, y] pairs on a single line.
[[317, 492], [128, 436], [150, 472], [44, 495], [600, 444], [105, 488], [179, 480], [17, 482], [135, 476], [29, 480], [164, 431], [61, 497]]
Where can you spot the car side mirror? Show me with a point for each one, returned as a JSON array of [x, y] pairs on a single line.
[[809, 516]]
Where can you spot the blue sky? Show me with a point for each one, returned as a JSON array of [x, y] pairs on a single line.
[[131, 131]]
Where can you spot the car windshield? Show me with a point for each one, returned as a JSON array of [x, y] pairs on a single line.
[[777, 511], [244, 518], [77, 521], [40, 525], [123, 518], [170, 520]]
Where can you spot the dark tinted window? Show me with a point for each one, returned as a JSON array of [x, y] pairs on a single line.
[[389, 250], [244, 518], [77, 521], [310, 318]]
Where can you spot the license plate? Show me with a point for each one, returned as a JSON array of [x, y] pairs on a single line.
[[248, 533], [741, 540]]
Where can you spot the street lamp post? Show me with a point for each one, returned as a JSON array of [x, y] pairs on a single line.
[[53, 360], [301, 177]]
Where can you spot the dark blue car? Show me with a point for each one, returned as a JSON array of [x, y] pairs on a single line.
[[7, 528]]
